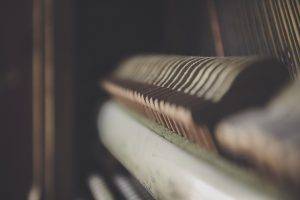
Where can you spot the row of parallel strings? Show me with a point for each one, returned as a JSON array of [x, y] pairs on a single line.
[[263, 27]]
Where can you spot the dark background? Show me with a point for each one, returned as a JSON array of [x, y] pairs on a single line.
[[15, 99], [109, 31], [96, 35]]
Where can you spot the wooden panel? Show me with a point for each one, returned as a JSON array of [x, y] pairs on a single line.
[[15, 98]]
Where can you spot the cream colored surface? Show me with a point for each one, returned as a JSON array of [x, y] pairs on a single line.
[[165, 170], [98, 188]]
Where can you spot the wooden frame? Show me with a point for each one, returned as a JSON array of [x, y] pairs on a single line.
[[52, 100]]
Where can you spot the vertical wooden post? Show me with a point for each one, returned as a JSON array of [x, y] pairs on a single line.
[[49, 92], [38, 101], [215, 27], [52, 100]]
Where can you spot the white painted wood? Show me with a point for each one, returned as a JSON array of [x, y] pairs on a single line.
[[167, 171]]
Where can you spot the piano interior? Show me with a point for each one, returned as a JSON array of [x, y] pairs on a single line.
[[161, 99]]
